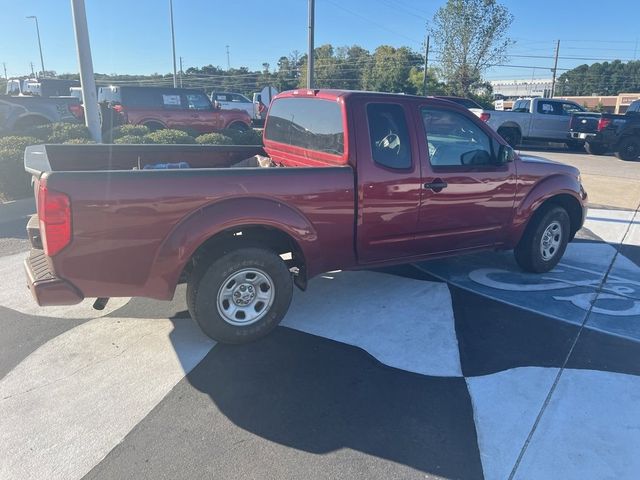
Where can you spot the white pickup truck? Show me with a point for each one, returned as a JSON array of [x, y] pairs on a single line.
[[538, 119]]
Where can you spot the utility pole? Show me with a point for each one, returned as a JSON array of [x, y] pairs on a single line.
[[87, 79], [173, 44], [426, 63], [180, 72], [4, 65], [39, 43], [311, 49], [555, 69], [32, 72], [228, 59]]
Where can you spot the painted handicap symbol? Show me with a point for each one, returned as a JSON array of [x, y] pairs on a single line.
[[619, 296]]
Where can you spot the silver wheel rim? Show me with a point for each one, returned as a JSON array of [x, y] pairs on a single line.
[[551, 240], [245, 297]]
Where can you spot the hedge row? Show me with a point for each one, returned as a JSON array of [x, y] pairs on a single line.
[[16, 183]]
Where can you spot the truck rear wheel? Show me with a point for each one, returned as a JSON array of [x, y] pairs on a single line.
[[544, 240], [511, 135], [240, 296], [628, 148]]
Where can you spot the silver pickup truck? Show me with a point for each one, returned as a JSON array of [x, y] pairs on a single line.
[[538, 119], [18, 113]]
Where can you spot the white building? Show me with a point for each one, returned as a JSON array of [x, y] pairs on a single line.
[[512, 89]]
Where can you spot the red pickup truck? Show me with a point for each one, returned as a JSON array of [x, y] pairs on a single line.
[[355, 180]]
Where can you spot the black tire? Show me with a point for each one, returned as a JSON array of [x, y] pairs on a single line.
[[575, 146], [239, 126], [528, 252], [595, 148], [25, 123], [628, 148], [511, 135], [204, 292], [154, 126]]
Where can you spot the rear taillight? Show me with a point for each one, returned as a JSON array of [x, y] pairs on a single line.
[[603, 123], [77, 111], [54, 213], [484, 116]]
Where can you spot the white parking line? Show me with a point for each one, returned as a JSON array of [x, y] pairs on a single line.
[[404, 323], [74, 399], [16, 296]]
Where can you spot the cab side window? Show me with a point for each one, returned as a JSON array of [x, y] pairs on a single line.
[[454, 140], [389, 135], [549, 108]]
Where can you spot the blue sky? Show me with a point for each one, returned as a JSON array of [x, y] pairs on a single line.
[[133, 36]]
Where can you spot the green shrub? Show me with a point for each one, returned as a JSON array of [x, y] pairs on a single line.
[[58, 132], [137, 130], [14, 181], [248, 137], [41, 132], [125, 139], [170, 137], [214, 139], [61, 132]]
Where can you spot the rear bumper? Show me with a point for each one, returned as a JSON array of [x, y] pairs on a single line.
[[46, 288], [582, 136]]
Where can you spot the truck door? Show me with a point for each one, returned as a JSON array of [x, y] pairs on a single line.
[[550, 121], [203, 117], [467, 197], [389, 180]]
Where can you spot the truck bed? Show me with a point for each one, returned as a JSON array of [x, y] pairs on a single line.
[[128, 221]]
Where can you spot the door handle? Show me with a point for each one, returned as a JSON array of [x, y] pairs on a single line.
[[437, 185]]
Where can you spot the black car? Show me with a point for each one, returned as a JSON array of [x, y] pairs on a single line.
[[606, 132]]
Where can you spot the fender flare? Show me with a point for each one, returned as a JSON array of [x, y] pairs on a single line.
[[195, 229], [30, 115], [547, 189]]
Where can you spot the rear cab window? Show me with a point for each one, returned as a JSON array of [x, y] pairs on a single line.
[[310, 130], [389, 135]]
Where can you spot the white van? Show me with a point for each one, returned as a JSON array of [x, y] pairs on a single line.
[[110, 94]]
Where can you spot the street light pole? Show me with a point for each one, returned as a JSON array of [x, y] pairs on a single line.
[[311, 49], [39, 43], [173, 43], [87, 79]]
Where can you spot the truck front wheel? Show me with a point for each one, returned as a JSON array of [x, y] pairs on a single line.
[[544, 240], [240, 296]]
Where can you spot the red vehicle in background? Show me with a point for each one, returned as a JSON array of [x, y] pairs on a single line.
[[363, 180], [179, 108]]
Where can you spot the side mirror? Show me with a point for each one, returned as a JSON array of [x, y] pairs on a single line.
[[216, 105], [506, 154]]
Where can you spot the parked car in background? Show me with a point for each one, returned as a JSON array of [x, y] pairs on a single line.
[[537, 119], [360, 184], [230, 101], [18, 113], [180, 108], [465, 102], [607, 132], [262, 100]]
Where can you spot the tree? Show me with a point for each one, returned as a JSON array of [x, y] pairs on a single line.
[[470, 36], [390, 70], [607, 78]]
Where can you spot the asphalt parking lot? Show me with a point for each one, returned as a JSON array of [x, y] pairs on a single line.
[[464, 368]]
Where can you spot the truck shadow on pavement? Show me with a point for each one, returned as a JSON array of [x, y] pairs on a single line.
[[320, 396]]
